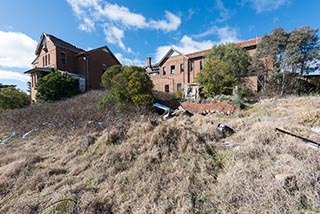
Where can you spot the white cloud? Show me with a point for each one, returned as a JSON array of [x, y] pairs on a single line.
[[114, 35], [87, 25], [171, 23], [16, 50], [224, 13], [187, 44], [224, 34], [121, 15], [116, 19], [79, 6], [127, 61], [12, 75], [227, 34], [267, 5]]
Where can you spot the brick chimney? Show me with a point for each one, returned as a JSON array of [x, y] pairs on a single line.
[[148, 62]]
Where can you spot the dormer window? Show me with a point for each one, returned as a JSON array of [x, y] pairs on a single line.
[[63, 58]]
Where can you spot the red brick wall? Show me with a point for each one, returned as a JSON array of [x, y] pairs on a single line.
[[189, 76], [71, 62], [96, 59], [51, 51]]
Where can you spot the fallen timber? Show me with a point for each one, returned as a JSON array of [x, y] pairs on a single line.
[[306, 140]]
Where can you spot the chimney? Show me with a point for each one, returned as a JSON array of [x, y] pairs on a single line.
[[149, 61]]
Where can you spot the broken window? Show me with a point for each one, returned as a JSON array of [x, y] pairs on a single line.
[[164, 71], [181, 68], [172, 69]]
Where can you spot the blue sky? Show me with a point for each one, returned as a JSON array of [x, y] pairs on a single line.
[[135, 29]]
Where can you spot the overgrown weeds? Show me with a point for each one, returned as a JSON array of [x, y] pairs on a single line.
[[142, 164]]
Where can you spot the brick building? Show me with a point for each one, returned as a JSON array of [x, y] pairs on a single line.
[[86, 66], [177, 69]]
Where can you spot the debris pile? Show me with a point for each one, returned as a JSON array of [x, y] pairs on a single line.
[[222, 107]]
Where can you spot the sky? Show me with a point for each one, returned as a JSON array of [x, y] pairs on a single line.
[[135, 29]]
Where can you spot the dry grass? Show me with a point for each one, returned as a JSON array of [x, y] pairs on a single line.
[[80, 112], [143, 165]]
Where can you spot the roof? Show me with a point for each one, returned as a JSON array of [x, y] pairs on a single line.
[[198, 53], [49, 70], [249, 42], [169, 53], [103, 48], [246, 43], [57, 42], [63, 44], [41, 69]]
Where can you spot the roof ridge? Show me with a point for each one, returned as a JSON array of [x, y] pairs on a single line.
[[52, 37]]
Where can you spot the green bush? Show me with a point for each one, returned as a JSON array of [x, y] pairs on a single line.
[[56, 86], [223, 62], [11, 98], [244, 91], [127, 84], [217, 78]]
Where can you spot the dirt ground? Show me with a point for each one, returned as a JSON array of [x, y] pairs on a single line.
[[219, 106]]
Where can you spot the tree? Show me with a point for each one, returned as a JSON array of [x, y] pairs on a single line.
[[269, 58], [282, 55], [11, 98], [55, 86], [29, 87], [217, 78], [127, 84], [302, 50], [222, 64], [234, 55]]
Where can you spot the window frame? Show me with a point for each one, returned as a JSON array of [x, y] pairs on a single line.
[[63, 56], [172, 69], [181, 67], [167, 88], [164, 70]]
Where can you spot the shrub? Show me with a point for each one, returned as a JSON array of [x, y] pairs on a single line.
[[11, 98], [127, 84], [56, 86], [217, 78]]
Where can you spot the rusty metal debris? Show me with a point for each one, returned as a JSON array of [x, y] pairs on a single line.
[[306, 140]]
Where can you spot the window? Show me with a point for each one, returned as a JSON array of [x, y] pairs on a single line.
[[179, 86], [172, 69], [46, 60], [201, 63], [154, 73], [181, 68], [191, 66], [164, 71], [166, 88], [104, 68], [63, 58]]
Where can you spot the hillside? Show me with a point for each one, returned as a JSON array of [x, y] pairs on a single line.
[[78, 159]]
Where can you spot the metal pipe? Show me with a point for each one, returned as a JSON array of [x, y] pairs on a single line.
[[297, 136]]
